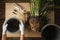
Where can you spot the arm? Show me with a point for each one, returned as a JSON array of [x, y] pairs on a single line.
[[22, 37], [3, 37], [4, 29], [22, 31]]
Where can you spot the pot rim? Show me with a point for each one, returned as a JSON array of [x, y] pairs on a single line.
[[49, 25]]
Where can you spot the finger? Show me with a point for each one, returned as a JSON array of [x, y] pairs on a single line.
[[6, 25], [21, 22], [5, 22], [19, 25]]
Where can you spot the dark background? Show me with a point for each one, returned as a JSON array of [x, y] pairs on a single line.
[[2, 15]]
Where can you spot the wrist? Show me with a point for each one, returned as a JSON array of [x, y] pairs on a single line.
[[3, 33], [22, 33], [3, 37]]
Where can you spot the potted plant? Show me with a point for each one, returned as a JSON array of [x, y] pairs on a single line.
[[34, 10], [38, 11]]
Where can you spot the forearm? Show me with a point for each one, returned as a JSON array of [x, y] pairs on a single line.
[[21, 26], [22, 37], [3, 37], [4, 29]]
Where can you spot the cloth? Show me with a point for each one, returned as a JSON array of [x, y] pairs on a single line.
[[4, 28], [21, 27]]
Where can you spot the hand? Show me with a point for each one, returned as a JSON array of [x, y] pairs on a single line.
[[21, 27], [4, 28]]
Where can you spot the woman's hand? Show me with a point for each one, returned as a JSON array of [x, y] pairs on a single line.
[[21, 27], [4, 28]]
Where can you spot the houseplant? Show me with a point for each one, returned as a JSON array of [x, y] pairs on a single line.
[[34, 10], [38, 11]]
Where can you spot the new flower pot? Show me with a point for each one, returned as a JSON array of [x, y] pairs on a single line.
[[50, 32]]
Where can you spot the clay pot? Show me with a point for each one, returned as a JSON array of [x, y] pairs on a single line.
[[13, 25]]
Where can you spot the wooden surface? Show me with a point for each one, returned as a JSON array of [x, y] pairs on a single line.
[[9, 14], [9, 10], [27, 34], [26, 6]]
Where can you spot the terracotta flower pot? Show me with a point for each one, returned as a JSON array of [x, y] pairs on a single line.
[[13, 25]]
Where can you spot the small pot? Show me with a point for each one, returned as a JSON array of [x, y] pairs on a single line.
[[13, 25]]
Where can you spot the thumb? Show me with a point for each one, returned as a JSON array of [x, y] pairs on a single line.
[[5, 22], [19, 25]]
